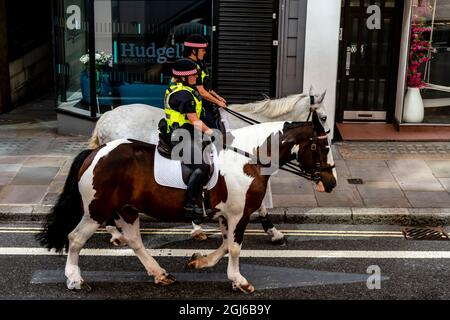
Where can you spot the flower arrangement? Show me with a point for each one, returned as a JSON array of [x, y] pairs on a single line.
[[420, 45], [102, 60]]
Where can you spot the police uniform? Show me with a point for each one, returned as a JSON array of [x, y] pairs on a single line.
[[181, 99], [210, 116]]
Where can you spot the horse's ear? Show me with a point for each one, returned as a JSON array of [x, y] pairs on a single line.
[[311, 90], [321, 97]]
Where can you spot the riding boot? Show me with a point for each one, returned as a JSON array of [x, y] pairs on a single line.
[[195, 185]]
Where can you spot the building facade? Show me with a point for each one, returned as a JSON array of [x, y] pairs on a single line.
[[365, 53], [26, 57]]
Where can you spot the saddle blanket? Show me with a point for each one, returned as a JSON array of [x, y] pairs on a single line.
[[168, 172]]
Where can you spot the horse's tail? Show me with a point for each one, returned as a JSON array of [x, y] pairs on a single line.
[[67, 212], [94, 141]]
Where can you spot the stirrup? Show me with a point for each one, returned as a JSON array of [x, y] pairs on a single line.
[[193, 212]]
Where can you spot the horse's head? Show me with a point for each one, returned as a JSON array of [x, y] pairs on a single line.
[[309, 144], [317, 105]]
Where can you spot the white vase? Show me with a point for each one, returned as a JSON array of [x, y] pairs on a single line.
[[413, 108]]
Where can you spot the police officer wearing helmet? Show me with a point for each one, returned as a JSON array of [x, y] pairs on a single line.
[[195, 50], [183, 107]]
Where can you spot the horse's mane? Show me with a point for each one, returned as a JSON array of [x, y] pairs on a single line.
[[270, 108]]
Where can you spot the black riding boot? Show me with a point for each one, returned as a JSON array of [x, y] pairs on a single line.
[[195, 186]]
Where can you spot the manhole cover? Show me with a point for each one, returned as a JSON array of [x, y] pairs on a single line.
[[355, 181], [425, 234]]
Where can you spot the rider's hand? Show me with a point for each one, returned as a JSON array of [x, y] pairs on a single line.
[[222, 104]]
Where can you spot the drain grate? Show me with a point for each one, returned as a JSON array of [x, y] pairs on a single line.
[[425, 233], [355, 181]]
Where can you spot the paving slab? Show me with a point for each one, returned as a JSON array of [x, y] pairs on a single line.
[[290, 200], [414, 175], [45, 161], [6, 177], [13, 159], [35, 176], [348, 197], [291, 185], [445, 183], [22, 194], [387, 203], [440, 169], [380, 189], [370, 170], [421, 199]]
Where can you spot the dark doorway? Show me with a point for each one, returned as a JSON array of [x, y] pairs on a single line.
[[368, 62]]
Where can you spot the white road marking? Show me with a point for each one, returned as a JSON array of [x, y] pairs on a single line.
[[248, 232], [343, 254]]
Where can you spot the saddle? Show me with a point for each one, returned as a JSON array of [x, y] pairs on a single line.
[[165, 150]]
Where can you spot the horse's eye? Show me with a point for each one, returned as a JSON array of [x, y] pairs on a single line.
[[323, 118]]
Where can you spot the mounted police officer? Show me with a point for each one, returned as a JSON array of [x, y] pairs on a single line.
[[183, 107], [195, 50]]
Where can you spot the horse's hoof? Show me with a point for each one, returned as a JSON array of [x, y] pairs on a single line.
[[279, 242], [118, 243], [165, 280], [245, 288], [194, 261], [199, 235], [78, 287], [276, 237]]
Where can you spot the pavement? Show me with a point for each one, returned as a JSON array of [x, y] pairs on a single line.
[[405, 183]]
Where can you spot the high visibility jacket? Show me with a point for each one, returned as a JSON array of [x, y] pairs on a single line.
[[174, 116], [205, 78]]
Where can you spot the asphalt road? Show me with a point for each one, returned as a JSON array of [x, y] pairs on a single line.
[[318, 262]]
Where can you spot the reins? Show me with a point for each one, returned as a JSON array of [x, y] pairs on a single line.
[[242, 117]]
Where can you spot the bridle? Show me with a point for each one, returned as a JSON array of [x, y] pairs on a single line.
[[317, 168], [297, 169]]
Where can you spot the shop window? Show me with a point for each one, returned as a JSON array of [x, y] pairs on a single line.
[[136, 44], [429, 60]]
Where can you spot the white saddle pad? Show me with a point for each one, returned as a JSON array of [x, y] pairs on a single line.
[[168, 172]]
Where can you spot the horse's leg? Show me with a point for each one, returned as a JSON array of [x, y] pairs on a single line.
[[235, 236], [198, 233], [198, 261], [77, 238], [132, 235], [117, 238], [276, 237]]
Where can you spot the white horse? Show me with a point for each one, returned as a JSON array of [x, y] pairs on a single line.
[[140, 122]]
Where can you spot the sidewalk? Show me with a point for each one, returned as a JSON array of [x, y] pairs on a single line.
[[390, 182]]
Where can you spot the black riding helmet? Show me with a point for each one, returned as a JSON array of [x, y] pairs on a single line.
[[195, 41], [183, 68]]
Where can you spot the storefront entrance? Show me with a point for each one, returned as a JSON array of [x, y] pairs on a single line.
[[369, 53]]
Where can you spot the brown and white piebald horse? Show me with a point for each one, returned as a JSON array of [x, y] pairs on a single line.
[[118, 178]]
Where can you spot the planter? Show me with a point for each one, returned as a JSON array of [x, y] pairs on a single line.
[[413, 110], [103, 87]]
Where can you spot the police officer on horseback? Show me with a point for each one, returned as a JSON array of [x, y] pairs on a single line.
[[183, 107], [195, 50]]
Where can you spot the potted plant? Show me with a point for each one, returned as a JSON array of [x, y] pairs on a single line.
[[103, 62], [420, 47]]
